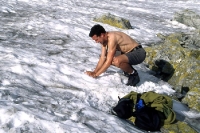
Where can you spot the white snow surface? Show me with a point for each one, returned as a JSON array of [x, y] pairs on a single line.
[[45, 50]]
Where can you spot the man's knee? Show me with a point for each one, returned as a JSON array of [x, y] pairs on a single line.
[[116, 62]]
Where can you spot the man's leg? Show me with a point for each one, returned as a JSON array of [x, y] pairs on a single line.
[[122, 62], [133, 58]]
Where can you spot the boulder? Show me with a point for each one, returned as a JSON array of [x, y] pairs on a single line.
[[114, 21], [177, 65], [192, 99], [188, 17], [176, 60], [178, 127]]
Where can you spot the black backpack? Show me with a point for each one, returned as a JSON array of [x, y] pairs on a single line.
[[146, 118], [123, 109]]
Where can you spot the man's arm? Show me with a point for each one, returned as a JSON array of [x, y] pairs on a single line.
[[102, 59], [100, 63], [107, 63], [110, 55]]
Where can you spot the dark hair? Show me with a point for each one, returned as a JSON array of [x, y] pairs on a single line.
[[97, 30]]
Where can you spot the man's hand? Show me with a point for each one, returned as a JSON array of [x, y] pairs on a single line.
[[91, 74]]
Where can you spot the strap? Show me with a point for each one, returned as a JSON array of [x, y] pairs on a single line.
[[119, 98], [138, 97]]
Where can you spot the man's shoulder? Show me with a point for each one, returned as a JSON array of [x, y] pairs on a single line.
[[115, 32], [114, 35]]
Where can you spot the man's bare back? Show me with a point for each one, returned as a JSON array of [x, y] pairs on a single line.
[[123, 42]]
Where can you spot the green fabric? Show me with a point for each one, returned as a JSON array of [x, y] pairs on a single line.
[[160, 102], [133, 96]]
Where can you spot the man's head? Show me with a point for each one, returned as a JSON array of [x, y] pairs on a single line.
[[97, 30], [97, 33]]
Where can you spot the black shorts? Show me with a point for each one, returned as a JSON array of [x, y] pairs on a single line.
[[136, 56]]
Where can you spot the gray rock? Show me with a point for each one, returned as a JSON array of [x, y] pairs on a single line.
[[177, 65], [188, 17]]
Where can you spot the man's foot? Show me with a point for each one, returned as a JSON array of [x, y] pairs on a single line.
[[133, 79], [125, 74]]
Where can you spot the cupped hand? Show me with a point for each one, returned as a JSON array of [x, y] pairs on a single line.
[[91, 74]]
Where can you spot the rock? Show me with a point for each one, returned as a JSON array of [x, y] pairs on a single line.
[[177, 65], [114, 21], [191, 40], [176, 60], [188, 17], [178, 127], [192, 99]]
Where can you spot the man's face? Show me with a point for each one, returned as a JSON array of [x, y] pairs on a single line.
[[98, 39]]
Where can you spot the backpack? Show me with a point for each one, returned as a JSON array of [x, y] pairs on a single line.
[[123, 109], [146, 118]]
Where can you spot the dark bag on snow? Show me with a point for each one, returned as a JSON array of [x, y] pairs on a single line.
[[123, 109], [146, 118]]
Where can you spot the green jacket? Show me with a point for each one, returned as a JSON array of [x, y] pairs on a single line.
[[160, 102]]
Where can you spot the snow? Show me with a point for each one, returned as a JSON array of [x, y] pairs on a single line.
[[45, 50]]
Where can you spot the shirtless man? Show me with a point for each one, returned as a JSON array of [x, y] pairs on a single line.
[[131, 53]]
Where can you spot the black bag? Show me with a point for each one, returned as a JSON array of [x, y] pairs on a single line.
[[147, 118], [123, 109]]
